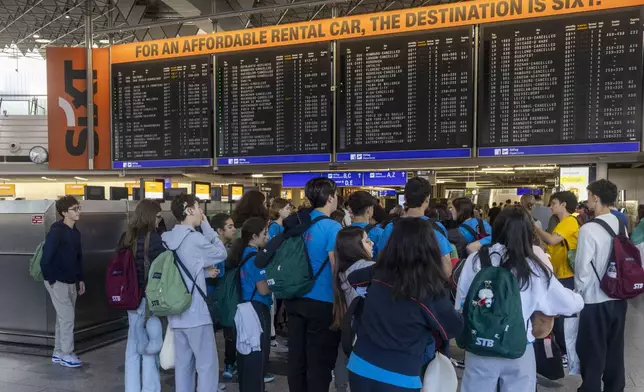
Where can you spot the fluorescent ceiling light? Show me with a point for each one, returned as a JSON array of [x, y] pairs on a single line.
[[493, 169], [66, 16], [104, 41], [36, 36], [48, 179], [506, 171], [43, 41], [4, 179], [257, 175], [81, 179], [536, 168]]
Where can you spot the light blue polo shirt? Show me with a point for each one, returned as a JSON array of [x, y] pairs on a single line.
[[249, 276], [374, 235], [474, 224], [274, 229], [320, 240], [443, 242]]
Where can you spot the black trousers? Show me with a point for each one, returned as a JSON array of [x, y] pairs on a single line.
[[362, 384], [253, 367], [312, 345], [558, 328], [600, 346], [230, 345]]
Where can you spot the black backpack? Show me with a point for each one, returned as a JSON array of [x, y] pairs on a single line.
[[460, 242]]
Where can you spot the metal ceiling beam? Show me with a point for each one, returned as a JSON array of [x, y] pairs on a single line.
[[14, 20], [77, 28], [222, 15], [50, 22]]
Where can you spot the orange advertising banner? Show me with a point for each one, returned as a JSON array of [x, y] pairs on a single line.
[[67, 108], [399, 21]]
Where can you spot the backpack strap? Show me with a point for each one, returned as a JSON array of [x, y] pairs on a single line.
[[348, 331], [469, 230], [481, 227], [181, 266], [611, 232], [484, 257], [146, 267], [368, 228]]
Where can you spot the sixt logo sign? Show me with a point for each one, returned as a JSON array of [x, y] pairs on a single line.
[[79, 99]]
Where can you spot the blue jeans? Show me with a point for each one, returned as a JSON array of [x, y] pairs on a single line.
[[133, 360]]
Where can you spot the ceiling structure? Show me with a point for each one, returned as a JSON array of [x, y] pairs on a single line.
[[27, 27]]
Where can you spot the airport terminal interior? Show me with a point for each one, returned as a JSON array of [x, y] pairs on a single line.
[[486, 100]]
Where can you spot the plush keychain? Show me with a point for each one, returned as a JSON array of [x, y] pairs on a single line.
[[486, 295]]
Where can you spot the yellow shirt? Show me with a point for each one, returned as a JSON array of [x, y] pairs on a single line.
[[568, 228]]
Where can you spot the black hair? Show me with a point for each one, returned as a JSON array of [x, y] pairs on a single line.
[[439, 212], [566, 197], [379, 214], [253, 226], [65, 203], [417, 191], [411, 262], [218, 222], [348, 250], [318, 190], [338, 216], [464, 209], [360, 201], [494, 204], [537, 197], [514, 229], [605, 190], [251, 205], [180, 203], [509, 201]]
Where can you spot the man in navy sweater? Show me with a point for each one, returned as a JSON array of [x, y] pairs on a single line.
[[62, 269]]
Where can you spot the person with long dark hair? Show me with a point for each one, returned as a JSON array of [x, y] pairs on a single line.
[[251, 205], [143, 240], [408, 300], [463, 213], [513, 249], [253, 368], [353, 252]]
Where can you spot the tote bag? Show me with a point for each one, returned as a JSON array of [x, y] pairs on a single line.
[[166, 356], [440, 375]]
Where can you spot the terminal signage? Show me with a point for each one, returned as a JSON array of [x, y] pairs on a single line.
[[388, 178], [297, 180], [344, 179]]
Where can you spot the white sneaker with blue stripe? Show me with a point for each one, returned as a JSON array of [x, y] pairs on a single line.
[[70, 361], [55, 357]]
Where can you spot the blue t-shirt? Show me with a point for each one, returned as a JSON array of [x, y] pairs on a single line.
[[474, 224], [443, 242], [274, 229], [486, 241], [320, 240], [622, 218], [374, 235], [250, 275]]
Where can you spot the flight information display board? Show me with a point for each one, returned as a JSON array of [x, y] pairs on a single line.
[[162, 113], [274, 106], [562, 86], [406, 96]]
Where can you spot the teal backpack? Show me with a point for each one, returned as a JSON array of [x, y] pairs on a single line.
[[289, 273], [34, 264], [492, 312], [167, 292], [229, 294]]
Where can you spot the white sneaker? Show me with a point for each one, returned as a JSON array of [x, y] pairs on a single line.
[[221, 387], [55, 357], [70, 361]]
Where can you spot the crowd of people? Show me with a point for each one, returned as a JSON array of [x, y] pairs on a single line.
[[414, 277]]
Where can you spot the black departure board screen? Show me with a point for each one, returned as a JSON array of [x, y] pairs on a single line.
[[162, 113], [405, 92], [564, 81], [274, 106]]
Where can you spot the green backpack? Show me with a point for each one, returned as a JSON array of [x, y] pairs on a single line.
[[289, 273], [167, 292], [492, 312], [229, 294], [34, 264]]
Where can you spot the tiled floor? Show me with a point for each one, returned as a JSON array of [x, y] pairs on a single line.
[[103, 370]]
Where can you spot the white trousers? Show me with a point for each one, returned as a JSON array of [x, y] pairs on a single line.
[[196, 352]]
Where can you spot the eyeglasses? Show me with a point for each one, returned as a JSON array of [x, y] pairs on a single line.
[[75, 209]]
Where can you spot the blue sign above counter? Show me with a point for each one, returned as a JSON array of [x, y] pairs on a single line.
[[413, 154], [157, 164], [345, 178], [586, 148], [386, 178], [297, 180]]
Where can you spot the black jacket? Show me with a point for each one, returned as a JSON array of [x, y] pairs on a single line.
[[155, 248], [62, 256]]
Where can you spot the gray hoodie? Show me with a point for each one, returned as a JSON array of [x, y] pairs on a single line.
[[196, 251]]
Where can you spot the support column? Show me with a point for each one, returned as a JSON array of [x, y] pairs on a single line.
[[89, 42], [602, 171]]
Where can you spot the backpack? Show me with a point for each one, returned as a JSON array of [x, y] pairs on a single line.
[[34, 264], [121, 281], [460, 242], [492, 312], [289, 273], [482, 233], [167, 292], [229, 294], [624, 277]]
